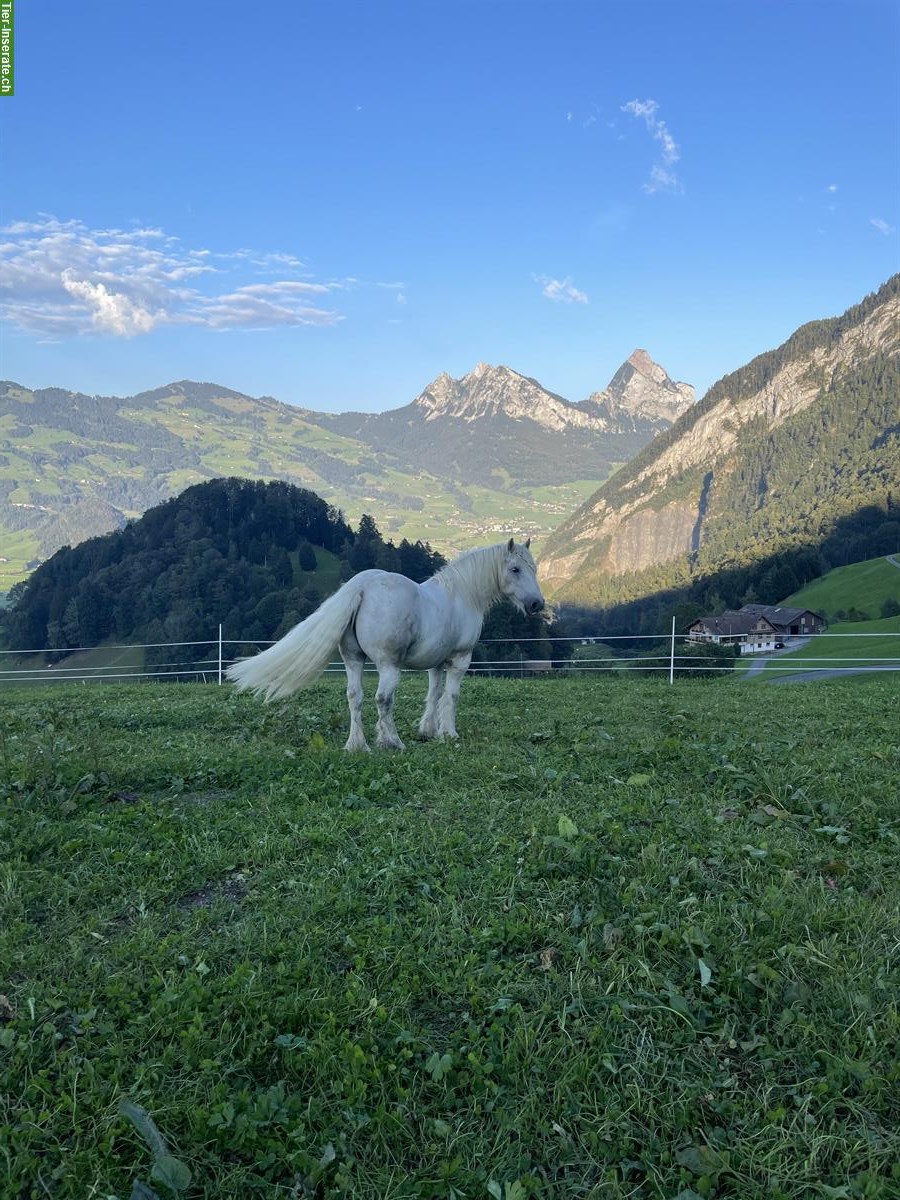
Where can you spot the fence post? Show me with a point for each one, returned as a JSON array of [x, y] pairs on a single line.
[[220, 654], [672, 655]]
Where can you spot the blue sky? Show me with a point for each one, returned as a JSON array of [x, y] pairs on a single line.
[[333, 202]]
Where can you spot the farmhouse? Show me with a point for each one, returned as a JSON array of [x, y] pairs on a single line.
[[756, 627], [729, 628]]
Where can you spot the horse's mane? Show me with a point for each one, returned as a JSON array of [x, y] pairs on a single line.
[[475, 575]]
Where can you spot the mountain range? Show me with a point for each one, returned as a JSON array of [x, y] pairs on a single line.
[[780, 456], [786, 466], [492, 452], [495, 424]]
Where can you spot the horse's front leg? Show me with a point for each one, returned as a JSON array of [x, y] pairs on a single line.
[[459, 664], [386, 731], [428, 724]]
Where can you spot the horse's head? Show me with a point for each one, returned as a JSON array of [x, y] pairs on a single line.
[[518, 579]]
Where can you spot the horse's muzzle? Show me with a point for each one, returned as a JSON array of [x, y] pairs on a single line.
[[535, 606]]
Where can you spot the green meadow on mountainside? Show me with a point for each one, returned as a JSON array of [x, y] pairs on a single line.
[[865, 586], [623, 940]]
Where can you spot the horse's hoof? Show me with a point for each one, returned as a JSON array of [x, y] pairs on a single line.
[[390, 744], [358, 748]]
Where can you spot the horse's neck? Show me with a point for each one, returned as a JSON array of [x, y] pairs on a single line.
[[474, 578]]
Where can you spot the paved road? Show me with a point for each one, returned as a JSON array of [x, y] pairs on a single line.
[[760, 660], [829, 673]]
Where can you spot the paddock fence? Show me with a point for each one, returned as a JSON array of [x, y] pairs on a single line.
[[670, 655]]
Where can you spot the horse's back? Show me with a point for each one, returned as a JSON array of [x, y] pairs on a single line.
[[402, 622], [379, 583]]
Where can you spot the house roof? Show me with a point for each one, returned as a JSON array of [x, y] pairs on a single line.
[[778, 616], [727, 623]]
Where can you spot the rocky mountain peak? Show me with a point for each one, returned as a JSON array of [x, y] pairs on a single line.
[[500, 392], [644, 365], [641, 390], [640, 394]]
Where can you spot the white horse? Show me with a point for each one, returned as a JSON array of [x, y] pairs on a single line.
[[396, 623]]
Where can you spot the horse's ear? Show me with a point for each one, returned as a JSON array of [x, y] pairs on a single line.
[[511, 545], [527, 543]]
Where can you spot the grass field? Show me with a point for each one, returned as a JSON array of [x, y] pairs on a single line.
[[848, 644], [98, 661], [864, 586], [624, 940]]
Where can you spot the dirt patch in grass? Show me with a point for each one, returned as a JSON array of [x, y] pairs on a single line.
[[201, 799], [232, 888]]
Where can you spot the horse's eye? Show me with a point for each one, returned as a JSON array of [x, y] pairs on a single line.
[[515, 570]]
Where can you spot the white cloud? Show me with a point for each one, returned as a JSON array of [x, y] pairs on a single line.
[[111, 312], [560, 291], [286, 287], [832, 187], [242, 309], [63, 279], [662, 177], [882, 226]]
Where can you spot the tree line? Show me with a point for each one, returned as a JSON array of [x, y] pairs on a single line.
[[256, 557]]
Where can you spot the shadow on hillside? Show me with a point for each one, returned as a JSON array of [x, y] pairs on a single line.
[[869, 532]]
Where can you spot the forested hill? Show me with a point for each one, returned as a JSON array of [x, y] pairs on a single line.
[[795, 456], [256, 556]]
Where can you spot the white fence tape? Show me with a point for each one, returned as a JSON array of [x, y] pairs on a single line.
[[16, 669]]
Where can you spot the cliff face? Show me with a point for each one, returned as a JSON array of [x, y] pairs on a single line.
[[673, 503]]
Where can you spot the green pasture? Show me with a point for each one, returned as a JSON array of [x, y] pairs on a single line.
[[96, 662], [623, 940], [848, 644], [17, 547], [864, 586], [327, 575]]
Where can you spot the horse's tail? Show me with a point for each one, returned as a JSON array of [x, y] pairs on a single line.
[[301, 656]]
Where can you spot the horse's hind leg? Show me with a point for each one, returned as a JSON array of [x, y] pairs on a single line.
[[428, 724], [354, 663], [388, 678]]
